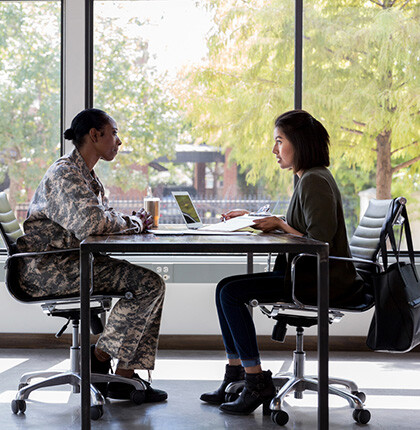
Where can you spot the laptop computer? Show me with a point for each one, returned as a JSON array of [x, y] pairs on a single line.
[[193, 221]]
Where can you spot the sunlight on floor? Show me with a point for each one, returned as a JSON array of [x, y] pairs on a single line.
[[396, 402], [9, 363], [368, 375], [44, 396], [209, 370], [63, 366]]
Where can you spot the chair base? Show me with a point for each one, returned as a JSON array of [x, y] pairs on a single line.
[[288, 383], [297, 383], [73, 378]]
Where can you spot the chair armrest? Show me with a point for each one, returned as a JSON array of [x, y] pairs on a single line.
[[36, 254], [127, 295], [378, 267]]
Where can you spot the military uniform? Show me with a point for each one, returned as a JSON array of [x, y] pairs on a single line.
[[68, 206]]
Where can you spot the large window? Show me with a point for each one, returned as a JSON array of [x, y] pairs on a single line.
[[361, 76], [196, 86], [30, 47], [192, 89]]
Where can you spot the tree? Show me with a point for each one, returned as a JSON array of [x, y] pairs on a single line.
[[134, 93], [360, 79], [368, 73], [233, 100], [29, 93], [125, 86]]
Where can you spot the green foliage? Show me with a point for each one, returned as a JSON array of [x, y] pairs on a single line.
[[365, 80], [29, 91], [125, 86], [247, 82], [360, 79], [138, 98]]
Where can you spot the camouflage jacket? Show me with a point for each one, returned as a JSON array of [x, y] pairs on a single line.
[[68, 206]]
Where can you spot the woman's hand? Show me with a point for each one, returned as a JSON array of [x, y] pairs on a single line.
[[233, 214], [269, 223], [145, 217]]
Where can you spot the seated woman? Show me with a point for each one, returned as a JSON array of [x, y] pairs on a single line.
[[315, 211], [68, 206]]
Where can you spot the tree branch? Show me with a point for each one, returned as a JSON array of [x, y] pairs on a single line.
[[362, 124], [405, 164], [403, 147], [350, 130], [377, 2]]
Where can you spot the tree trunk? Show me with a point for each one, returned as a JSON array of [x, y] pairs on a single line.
[[383, 166], [200, 179]]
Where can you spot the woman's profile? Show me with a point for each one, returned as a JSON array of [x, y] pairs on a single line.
[[301, 143], [70, 205]]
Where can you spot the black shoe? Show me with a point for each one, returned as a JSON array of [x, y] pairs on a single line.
[[102, 367], [259, 389], [232, 374], [121, 391]]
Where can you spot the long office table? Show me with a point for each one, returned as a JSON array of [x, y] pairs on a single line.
[[195, 244]]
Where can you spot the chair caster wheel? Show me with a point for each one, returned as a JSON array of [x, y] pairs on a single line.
[[360, 395], [361, 416], [18, 406], [231, 397], [138, 396], [96, 412], [280, 417]]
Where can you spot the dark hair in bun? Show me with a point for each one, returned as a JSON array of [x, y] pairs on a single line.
[[69, 134], [83, 122]]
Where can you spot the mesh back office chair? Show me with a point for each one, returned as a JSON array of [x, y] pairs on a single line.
[[364, 247], [65, 307]]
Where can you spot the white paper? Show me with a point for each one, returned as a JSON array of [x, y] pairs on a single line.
[[199, 232], [232, 224]]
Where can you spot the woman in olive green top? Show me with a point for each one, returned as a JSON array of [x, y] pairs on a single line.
[[315, 211]]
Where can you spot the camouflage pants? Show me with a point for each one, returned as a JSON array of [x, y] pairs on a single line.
[[132, 331]]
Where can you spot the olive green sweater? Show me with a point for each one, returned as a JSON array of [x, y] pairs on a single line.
[[316, 211]]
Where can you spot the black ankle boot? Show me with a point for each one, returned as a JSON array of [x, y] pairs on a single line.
[[232, 374], [259, 389]]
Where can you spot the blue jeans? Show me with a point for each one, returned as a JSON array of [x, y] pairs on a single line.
[[232, 296]]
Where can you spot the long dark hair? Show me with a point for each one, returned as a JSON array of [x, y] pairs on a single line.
[[83, 122], [308, 136]]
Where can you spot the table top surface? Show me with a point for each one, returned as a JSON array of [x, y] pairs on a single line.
[[263, 242]]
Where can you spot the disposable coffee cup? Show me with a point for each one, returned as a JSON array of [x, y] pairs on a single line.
[[152, 205]]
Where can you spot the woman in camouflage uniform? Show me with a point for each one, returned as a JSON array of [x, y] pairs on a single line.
[[70, 205]]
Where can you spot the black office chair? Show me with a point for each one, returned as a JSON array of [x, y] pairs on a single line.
[[67, 307], [364, 246]]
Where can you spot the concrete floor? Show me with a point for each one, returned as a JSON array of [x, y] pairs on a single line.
[[391, 383]]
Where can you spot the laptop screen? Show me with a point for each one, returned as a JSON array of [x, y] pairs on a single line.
[[187, 207]]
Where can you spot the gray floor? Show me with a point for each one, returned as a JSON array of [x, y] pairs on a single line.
[[391, 383]]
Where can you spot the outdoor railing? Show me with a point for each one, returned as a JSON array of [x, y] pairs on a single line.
[[210, 209]]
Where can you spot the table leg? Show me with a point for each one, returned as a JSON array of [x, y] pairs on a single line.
[[323, 302], [85, 337], [249, 270], [249, 262]]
